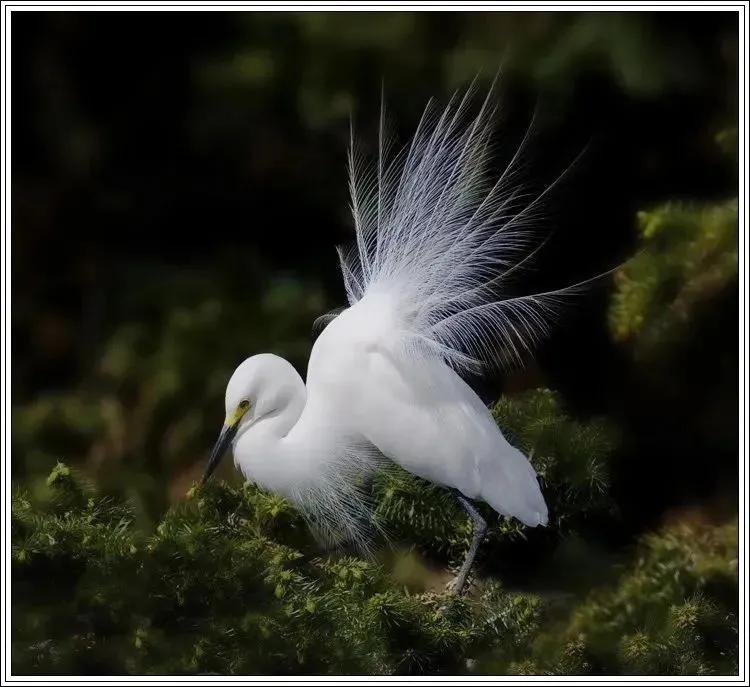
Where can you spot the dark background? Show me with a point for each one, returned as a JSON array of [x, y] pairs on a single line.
[[179, 185]]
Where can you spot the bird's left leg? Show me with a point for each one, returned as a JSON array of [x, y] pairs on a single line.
[[480, 529], [363, 518]]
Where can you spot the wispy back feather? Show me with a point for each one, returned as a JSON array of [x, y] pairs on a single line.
[[443, 239]]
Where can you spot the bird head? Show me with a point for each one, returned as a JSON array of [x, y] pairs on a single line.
[[262, 388]]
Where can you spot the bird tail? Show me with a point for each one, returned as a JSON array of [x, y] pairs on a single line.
[[443, 240]]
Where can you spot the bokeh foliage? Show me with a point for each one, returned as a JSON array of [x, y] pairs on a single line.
[[148, 407], [688, 258]]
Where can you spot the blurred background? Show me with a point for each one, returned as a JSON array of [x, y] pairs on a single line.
[[179, 186]]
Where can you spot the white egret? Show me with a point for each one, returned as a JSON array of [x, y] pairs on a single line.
[[427, 284]]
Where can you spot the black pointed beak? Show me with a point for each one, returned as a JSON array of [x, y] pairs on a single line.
[[220, 448]]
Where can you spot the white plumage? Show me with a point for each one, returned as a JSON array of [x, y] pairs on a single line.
[[426, 282]]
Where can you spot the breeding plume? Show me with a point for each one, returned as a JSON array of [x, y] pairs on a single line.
[[438, 243]]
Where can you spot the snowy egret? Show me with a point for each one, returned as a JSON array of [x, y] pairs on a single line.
[[427, 285]]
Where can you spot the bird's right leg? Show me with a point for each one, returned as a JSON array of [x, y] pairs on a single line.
[[480, 529]]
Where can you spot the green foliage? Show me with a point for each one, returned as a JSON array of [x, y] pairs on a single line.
[[230, 583], [674, 611], [689, 257], [225, 584]]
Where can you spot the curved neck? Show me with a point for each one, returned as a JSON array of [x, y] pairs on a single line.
[[261, 451]]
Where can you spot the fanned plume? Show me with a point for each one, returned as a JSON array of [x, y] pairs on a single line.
[[444, 241]]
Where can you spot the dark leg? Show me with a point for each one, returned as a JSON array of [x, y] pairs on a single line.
[[368, 484], [480, 529], [364, 519]]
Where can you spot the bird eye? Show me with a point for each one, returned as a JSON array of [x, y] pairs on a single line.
[[244, 404]]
